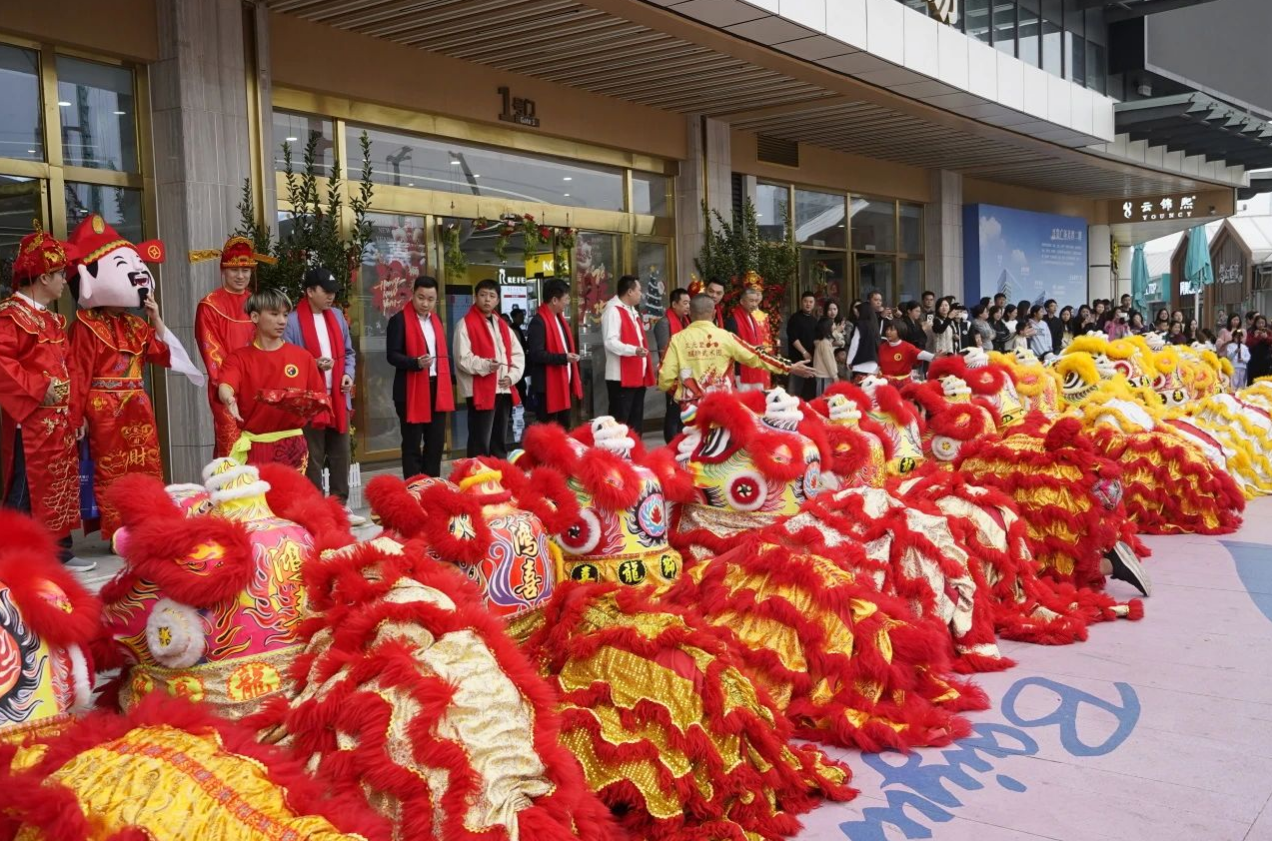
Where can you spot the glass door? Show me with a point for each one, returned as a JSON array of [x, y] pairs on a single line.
[[653, 267], [596, 271], [21, 201]]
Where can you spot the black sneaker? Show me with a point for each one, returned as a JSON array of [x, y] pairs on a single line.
[[1127, 567]]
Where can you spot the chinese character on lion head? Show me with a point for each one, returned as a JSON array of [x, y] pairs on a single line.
[[110, 270]]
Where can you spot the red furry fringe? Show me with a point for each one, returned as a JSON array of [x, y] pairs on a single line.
[[28, 564], [159, 546]]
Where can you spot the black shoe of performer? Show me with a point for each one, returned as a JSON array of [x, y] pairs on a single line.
[[1127, 567]]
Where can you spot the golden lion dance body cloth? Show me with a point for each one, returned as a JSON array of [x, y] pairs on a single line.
[[672, 734]]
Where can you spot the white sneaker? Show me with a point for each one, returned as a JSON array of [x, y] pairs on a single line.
[[355, 520], [78, 564]]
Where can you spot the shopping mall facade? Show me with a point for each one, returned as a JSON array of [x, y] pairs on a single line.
[[926, 144]]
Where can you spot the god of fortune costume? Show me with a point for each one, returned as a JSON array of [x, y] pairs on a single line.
[[277, 391], [167, 771], [670, 732], [109, 349], [34, 352], [221, 327]]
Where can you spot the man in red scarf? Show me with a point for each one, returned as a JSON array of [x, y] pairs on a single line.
[[488, 363], [675, 320], [629, 370], [715, 291], [416, 346], [751, 326], [552, 357], [320, 328]]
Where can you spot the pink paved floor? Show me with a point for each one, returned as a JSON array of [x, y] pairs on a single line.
[[1159, 729]]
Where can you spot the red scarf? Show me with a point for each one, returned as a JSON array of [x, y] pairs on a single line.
[[419, 398], [675, 323], [486, 387], [719, 317], [338, 417], [750, 331], [560, 385], [637, 371]]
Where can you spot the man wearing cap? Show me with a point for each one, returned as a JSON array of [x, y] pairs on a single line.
[[38, 463], [320, 328], [221, 326]]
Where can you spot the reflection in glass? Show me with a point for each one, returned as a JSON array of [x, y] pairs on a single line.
[[98, 115], [19, 204], [393, 259], [874, 225], [651, 193], [911, 280], [120, 206], [772, 210], [294, 130], [1005, 27], [819, 219], [876, 276], [1052, 38], [823, 273], [976, 19], [1030, 33], [911, 228], [596, 271], [21, 131], [652, 267], [1095, 73], [454, 167], [1075, 58]]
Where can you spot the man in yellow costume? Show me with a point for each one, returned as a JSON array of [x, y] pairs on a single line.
[[700, 358]]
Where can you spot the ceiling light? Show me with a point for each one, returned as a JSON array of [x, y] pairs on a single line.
[[567, 195], [120, 113], [64, 103], [30, 151], [568, 178], [455, 163], [292, 139], [476, 175]]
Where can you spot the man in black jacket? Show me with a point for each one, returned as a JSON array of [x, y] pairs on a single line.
[[422, 394], [551, 360], [801, 332], [1055, 325]]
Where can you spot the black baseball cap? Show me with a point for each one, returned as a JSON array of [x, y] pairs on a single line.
[[321, 277]]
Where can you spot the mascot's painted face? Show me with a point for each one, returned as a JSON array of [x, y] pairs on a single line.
[[111, 271], [740, 464]]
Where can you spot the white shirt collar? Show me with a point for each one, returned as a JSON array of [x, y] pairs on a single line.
[[31, 300]]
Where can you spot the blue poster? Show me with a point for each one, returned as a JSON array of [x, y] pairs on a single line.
[[1023, 254]]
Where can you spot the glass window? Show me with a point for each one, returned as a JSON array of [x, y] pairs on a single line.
[[651, 193], [98, 114], [874, 225], [19, 204], [393, 259], [911, 280], [875, 275], [1095, 26], [1052, 38], [976, 19], [596, 270], [911, 228], [120, 206], [653, 263], [1095, 78], [21, 132], [819, 219], [294, 131], [454, 167], [1005, 26], [824, 273], [1030, 34], [1075, 58], [772, 210]]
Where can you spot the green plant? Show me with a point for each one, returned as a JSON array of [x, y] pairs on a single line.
[[731, 250], [453, 252], [311, 235]]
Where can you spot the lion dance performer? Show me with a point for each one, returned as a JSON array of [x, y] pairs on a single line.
[[222, 325], [109, 349]]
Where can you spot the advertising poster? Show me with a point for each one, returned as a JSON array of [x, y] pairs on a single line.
[[1024, 255]]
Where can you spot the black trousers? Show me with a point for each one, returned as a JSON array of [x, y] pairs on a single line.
[[18, 497], [627, 405], [542, 415], [486, 429], [423, 443], [672, 424], [330, 449]]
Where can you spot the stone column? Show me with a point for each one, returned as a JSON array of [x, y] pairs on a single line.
[[1100, 280], [199, 102], [705, 175], [943, 246]]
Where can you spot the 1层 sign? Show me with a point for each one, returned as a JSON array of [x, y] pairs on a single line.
[[517, 109]]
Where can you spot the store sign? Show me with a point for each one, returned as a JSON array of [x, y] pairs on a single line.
[[517, 109], [1230, 273], [943, 10], [1155, 210]]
